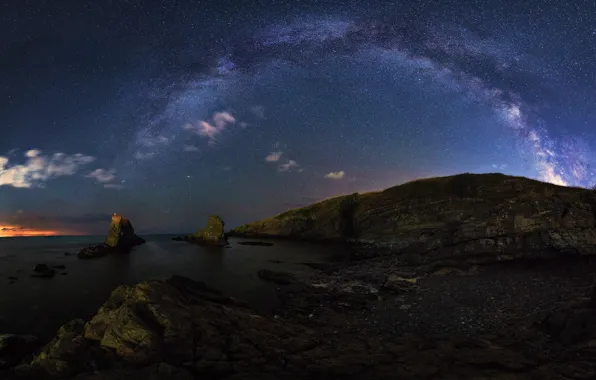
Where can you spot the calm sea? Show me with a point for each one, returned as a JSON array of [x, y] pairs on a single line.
[[39, 306]]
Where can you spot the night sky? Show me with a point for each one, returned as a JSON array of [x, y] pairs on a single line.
[[167, 111]]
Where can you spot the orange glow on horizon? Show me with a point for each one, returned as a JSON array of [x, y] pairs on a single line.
[[16, 231]]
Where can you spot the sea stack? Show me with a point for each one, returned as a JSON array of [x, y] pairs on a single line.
[[121, 238], [212, 234], [122, 235]]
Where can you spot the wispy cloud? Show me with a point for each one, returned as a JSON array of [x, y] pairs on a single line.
[[190, 148], [335, 175], [210, 129], [273, 156], [288, 166], [102, 175], [222, 120], [39, 168]]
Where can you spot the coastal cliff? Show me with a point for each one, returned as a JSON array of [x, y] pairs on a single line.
[[483, 217]]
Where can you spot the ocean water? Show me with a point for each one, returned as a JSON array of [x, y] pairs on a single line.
[[41, 305]]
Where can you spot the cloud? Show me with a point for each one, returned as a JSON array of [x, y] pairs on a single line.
[[39, 168], [210, 129], [102, 175], [273, 156], [113, 186], [288, 166], [335, 175], [190, 148], [222, 120]]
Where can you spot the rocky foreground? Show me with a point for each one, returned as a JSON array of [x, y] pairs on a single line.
[[181, 329]]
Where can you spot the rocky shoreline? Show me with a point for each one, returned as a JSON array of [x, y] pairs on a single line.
[[508, 321]]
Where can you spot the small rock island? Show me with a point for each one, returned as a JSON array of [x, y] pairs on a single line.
[[212, 234], [121, 239]]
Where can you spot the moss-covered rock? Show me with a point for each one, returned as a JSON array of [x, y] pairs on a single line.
[[479, 217]]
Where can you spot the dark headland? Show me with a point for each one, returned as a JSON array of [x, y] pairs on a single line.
[[462, 277]]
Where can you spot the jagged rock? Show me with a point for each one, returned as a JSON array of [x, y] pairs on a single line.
[[212, 234], [281, 278], [121, 238], [476, 218]]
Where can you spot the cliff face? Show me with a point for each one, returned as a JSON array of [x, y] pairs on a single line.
[[480, 216]]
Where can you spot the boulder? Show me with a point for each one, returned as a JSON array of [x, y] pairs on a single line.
[[212, 234], [472, 218], [121, 238]]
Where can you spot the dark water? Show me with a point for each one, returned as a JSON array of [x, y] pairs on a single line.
[[39, 305]]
